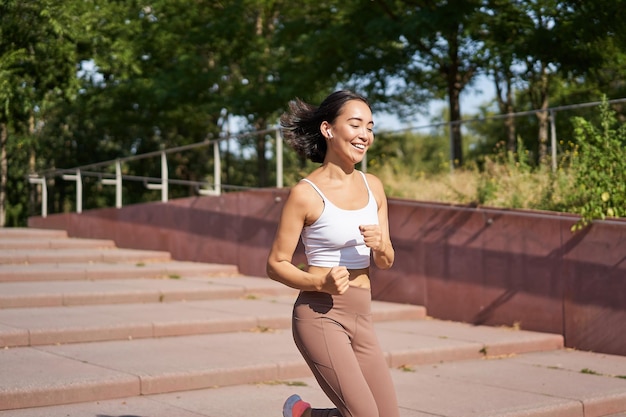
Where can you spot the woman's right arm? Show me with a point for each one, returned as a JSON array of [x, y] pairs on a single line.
[[279, 263]]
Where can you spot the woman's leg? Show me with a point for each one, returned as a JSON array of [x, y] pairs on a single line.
[[343, 353], [375, 368], [326, 347]]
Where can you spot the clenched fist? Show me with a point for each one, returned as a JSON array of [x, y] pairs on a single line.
[[337, 280], [372, 235]]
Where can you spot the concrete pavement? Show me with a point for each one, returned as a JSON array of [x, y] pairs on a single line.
[[120, 332]]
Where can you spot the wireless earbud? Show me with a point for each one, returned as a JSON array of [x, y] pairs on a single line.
[[330, 135]]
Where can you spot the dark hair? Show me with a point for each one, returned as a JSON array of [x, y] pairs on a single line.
[[301, 124]]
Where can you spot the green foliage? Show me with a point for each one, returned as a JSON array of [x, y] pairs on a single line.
[[600, 167], [506, 176], [17, 189], [410, 153], [38, 53], [83, 81]]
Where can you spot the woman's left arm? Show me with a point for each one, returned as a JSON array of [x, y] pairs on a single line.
[[378, 238]]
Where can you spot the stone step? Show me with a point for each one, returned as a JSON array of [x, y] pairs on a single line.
[[184, 339], [540, 384], [53, 243], [73, 255], [31, 233], [94, 271], [63, 325], [82, 372], [137, 290]]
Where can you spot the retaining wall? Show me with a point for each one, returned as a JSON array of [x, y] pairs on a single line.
[[470, 264]]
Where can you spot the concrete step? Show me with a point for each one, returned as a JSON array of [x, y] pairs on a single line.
[[48, 255], [63, 325], [169, 338], [100, 270], [53, 243], [31, 233], [59, 374], [204, 285], [73, 255], [540, 384]]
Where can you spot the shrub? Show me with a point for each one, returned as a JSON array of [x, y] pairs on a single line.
[[600, 168]]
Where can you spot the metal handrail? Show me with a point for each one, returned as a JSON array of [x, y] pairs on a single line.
[[151, 154], [76, 174], [203, 187]]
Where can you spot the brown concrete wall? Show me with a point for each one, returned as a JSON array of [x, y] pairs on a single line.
[[477, 265], [235, 228], [505, 267]]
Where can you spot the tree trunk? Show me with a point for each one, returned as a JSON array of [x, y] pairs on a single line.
[[544, 119], [261, 143], [542, 103], [539, 90], [507, 107], [3, 173], [33, 195], [33, 191], [509, 122], [457, 80], [456, 138]]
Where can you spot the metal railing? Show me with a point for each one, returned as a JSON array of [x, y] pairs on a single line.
[[204, 188], [163, 183]]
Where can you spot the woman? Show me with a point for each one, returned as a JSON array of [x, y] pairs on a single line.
[[340, 214]]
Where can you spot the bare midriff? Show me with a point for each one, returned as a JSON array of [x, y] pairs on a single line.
[[358, 277]]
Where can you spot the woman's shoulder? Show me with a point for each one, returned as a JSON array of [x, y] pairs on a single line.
[[303, 192], [377, 188], [304, 202], [373, 181]]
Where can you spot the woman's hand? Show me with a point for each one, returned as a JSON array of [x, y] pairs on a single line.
[[336, 280], [373, 236], [379, 243]]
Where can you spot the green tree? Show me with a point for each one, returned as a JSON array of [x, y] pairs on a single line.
[[173, 72], [430, 46], [546, 49], [156, 77], [600, 165], [37, 70], [502, 27]]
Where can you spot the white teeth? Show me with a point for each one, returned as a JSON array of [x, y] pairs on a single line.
[[359, 146]]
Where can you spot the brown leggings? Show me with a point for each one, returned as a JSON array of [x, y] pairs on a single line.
[[335, 335]]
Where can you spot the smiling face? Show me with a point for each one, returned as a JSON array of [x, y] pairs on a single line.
[[352, 132]]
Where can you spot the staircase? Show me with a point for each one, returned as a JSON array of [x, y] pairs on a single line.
[[89, 329]]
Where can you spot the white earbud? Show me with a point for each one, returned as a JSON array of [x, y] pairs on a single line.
[[330, 135]]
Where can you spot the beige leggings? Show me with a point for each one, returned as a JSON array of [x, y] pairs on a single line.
[[335, 335]]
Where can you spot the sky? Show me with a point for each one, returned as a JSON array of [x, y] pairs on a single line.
[[482, 92]]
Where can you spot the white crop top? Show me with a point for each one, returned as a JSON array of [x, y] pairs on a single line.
[[334, 239]]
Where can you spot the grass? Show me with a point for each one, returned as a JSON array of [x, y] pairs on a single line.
[[497, 185]]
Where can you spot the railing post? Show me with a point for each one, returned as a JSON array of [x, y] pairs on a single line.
[[44, 193], [217, 168], [79, 188], [117, 182], [279, 159], [164, 178], [44, 197]]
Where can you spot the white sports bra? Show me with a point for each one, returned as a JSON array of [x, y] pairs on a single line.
[[334, 238]]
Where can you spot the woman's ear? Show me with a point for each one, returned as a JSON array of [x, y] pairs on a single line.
[[325, 127]]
